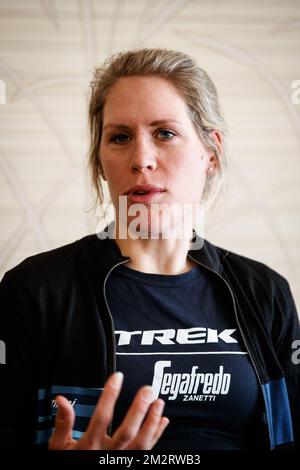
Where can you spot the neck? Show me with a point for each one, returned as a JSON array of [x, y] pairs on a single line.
[[157, 256]]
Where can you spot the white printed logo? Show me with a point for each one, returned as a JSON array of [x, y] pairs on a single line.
[[72, 403], [180, 336], [193, 386]]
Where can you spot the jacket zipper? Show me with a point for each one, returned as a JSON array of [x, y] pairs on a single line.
[[239, 326], [112, 333]]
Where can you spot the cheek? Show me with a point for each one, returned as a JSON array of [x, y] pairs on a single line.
[[189, 175], [110, 169], [111, 166], [189, 167]]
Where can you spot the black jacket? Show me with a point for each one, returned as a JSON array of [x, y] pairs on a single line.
[[57, 330]]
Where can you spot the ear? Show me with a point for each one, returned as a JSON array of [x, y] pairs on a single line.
[[213, 162], [217, 137]]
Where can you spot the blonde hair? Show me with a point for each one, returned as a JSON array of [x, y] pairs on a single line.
[[192, 83]]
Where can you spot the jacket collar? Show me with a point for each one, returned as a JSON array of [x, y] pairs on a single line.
[[207, 254]]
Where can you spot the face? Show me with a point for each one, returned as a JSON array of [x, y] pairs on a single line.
[[149, 141]]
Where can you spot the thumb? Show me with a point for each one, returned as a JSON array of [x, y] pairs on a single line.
[[64, 422]]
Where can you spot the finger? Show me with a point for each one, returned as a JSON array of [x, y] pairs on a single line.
[[130, 426], [64, 422], [102, 416], [146, 436], [164, 421]]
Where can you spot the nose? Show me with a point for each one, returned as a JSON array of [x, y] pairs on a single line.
[[143, 157]]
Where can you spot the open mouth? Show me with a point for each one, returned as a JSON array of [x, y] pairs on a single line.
[[141, 192], [144, 194], [144, 189]]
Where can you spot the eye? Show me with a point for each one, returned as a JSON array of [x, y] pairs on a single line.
[[166, 134], [119, 139]]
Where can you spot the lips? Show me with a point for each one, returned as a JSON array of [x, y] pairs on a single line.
[[144, 193]]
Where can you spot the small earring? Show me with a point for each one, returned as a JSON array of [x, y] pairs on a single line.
[[210, 169]]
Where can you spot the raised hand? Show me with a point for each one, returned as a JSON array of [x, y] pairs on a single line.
[[141, 428]]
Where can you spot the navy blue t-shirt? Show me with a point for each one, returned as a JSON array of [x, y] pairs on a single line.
[[178, 333]]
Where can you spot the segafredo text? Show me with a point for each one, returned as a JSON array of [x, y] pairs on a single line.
[[189, 386]]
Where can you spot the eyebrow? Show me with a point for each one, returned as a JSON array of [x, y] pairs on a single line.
[[152, 124]]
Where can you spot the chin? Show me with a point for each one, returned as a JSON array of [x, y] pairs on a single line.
[[155, 228]]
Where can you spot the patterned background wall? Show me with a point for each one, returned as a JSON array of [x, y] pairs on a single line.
[[48, 49]]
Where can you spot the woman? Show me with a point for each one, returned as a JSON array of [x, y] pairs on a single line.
[[211, 331]]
